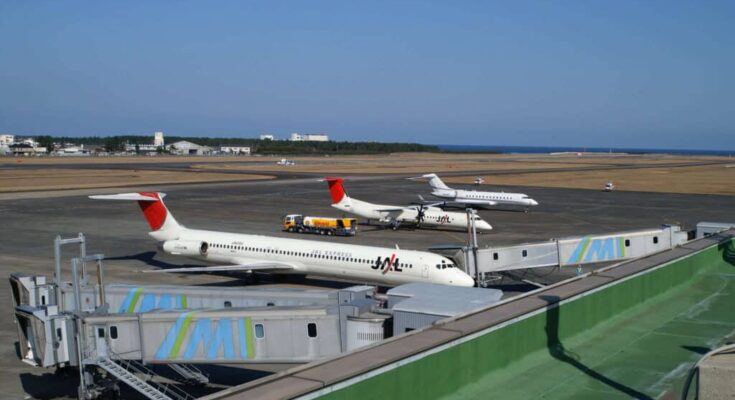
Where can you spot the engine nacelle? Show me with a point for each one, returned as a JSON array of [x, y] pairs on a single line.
[[193, 248]]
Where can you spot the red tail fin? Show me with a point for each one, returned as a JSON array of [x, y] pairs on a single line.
[[335, 189], [155, 212]]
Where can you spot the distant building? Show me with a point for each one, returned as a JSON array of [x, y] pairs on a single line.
[[158, 139], [26, 149], [141, 148], [71, 150], [185, 147], [309, 137], [267, 137], [28, 141], [242, 150], [7, 140]]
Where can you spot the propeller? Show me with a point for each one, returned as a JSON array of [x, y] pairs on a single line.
[[420, 213]]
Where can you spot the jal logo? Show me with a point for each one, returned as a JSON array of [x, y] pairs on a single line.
[[444, 219], [386, 264]]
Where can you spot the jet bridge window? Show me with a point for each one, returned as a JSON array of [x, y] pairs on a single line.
[[524, 253], [259, 331], [627, 242], [113, 332], [495, 256], [311, 329], [655, 240]]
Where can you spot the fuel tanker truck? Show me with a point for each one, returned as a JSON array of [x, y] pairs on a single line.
[[320, 225]]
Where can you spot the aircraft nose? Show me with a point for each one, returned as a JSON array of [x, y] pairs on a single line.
[[463, 280], [483, 226], [534, 202]]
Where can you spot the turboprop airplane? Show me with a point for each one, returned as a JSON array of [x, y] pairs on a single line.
[[248, 253], [418, 215], [474, 197]]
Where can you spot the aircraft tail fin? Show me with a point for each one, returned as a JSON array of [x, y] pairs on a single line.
[[435, 182], [163, 225], [336, 190]]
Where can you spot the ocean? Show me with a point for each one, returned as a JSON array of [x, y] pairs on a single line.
[[541, 149]]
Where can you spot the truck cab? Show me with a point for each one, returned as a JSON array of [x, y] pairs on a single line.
[[291, 222]]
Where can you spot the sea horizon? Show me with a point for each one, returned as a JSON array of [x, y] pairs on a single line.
[[458, 148]]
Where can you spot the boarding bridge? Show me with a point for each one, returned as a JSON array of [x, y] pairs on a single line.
[[120, 328], [484, 263]]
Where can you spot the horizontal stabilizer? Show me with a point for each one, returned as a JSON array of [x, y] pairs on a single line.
[[127, 196], [264, 266]]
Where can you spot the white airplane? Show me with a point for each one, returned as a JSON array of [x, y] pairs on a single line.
[[248, 253], [419, 215], [474, 197]]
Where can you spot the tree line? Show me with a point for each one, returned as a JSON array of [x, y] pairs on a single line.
[[257, 146]]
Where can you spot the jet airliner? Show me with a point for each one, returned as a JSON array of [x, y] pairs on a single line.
[[474, 197], [248, 253]]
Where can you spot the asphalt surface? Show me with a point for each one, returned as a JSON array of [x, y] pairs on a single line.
[[30, 221]]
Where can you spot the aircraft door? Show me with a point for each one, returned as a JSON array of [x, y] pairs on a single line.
[[424, 271], [100, 340]]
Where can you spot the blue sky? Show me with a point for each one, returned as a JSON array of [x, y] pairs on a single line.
[[622, 74]]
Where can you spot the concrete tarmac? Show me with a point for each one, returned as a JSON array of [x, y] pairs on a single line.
[[30, 221]]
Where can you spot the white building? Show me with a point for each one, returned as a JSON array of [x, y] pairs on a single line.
[[309, 137], [141, 148], [7, 140], [158, 139], [267, 137], [185, 147], [29, 141], [243, 150]]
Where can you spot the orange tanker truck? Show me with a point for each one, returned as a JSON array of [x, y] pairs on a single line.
[[320, 225]]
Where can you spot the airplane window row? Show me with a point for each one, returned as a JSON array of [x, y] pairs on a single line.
[[300, 254]]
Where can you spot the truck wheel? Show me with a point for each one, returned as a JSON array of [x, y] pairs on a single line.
[[299, 230], [329, 233]]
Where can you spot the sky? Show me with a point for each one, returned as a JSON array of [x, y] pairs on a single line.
[[643, 74]]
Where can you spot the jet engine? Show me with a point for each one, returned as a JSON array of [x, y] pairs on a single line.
[[185, 247]]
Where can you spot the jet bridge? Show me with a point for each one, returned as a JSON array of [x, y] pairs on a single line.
[[484, 263], [110, 332]]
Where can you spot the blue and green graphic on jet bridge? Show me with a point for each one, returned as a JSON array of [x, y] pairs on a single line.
[[138, 301], [635, 338], [594, 250], [192, 338]]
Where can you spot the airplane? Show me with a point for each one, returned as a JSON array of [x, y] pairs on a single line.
[[248, 253], [418, 215], [476, 198]]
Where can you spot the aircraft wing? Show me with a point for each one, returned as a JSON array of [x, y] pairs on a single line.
[[389, 210], [256, 266], [480, 202]]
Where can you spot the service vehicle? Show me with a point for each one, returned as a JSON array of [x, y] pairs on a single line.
[[320, 225]]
